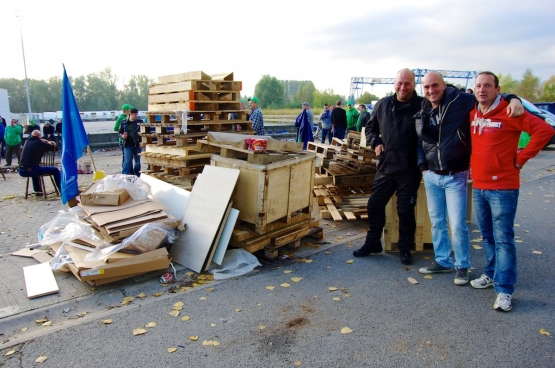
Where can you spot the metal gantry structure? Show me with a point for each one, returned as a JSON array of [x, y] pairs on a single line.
[[357, 83]]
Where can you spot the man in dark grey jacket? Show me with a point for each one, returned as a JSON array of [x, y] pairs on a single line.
[[443, 127], [390, 132]]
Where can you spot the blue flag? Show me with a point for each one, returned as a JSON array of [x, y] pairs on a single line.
[[74, 140]]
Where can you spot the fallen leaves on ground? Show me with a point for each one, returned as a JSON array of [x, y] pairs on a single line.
[[107, 321], [536, 252], [138, 331], [296, 279], [332, 288], [210, 290], [285, 285], [336, 299], [346, 330], [193, 338], [40, 321], [171, 350], [24, 329], [41, 359], [298, 363], [328, 253], [160, 293], [10, 352], [407, 268], [202, 298], [141, 295], [174, 313], [544, 332], [185, 318], [270, 287], [350, 261], [476, 246], [178, 306], [238, 310], [412, 280], [212, 343], [190, 274], [151, 324], [261, 327], [127, 300], [428, 277], [212, 325], [49, 323]]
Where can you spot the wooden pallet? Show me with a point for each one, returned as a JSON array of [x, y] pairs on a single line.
[[196, 85], [251, 157], [178, 180], [176, 161], [271, 241], [323, 150], [201, 106], [196, 117], [171, 140], [192, 96]]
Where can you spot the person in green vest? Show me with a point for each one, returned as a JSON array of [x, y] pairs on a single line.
[[126, 108], [352, 116], [363, 117], [12, 136]]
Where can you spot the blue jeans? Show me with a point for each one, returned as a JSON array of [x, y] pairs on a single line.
[[130, 154], [326, 132], [33, 171], [495, 212], [339, 132], [446, 197]]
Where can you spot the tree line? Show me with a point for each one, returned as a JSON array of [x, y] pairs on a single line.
[[93, 92], [99, 92]]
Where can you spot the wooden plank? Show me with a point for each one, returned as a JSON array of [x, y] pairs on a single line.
[[206, 207], [333, 211], [281, 240], [222, 76], [218, 237], [39, 280], [226, 236], [349, 215], [182, 77]]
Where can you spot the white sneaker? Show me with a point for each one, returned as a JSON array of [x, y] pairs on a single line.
[[503, 302], [482, 283]]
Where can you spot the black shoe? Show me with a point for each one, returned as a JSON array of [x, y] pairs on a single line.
[[365, 252], [406, 258]]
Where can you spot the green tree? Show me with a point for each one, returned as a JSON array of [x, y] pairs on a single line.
[[326, 96], [528, 86], [269, 92], [547, 90], [507, 83], [305, 93], [367, 98]]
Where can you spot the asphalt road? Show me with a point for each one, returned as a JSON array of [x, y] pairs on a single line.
[[394, 323]]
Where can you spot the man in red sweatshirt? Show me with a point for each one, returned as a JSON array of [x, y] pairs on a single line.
[[495, 166]]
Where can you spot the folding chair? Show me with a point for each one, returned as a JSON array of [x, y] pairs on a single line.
[[47, 160]]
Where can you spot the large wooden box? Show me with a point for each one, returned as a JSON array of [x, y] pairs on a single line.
[[271, 192]]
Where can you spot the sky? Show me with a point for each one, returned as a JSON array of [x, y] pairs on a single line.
[[327, 42]]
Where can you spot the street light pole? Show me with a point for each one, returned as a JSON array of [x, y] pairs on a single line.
[[24, 65]]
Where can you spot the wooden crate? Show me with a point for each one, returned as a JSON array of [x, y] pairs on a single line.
[[423, 234], [271, 192]]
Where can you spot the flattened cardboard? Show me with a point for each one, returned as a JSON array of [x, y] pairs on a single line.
[[25, 252], [92, 210], [42, 257], [91, 198], [39, 280], [156, 260], [101, 219]]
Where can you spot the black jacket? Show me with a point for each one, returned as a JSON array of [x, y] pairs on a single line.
[[132, 129], [339, 117], [392, 124], [450, 149], [33, 150]]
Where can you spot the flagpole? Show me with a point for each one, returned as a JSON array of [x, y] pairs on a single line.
[[24, 64]]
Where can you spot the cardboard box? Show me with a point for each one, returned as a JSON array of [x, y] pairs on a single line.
[[91, 198]]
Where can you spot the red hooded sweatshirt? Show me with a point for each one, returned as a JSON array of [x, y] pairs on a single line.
[[495, 142]]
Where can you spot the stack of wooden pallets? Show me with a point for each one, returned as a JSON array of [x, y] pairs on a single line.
[[182, 108], [344, 183]]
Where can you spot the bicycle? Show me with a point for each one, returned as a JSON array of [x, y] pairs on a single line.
[[317, 131]]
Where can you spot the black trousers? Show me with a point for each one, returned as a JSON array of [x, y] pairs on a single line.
[[406, 186]]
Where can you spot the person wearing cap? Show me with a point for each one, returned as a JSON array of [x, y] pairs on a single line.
[[338, 121], [126, 108], [304, 124], [325, 118], [129, 132], [352, 116], [12, 136], [32, 126], [256, 117]]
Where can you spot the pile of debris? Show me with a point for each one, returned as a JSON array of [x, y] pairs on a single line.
[[182, 108], [344, 182]]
